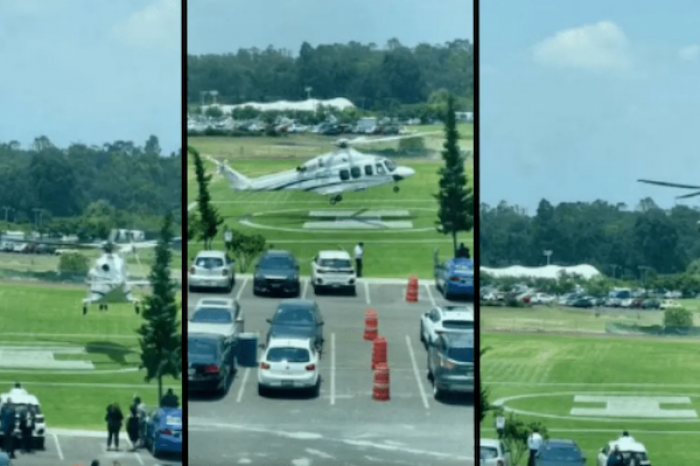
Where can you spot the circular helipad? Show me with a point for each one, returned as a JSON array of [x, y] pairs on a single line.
[[343, 220]]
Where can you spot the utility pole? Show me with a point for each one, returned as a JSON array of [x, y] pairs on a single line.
[[549, 256], [7, 210]]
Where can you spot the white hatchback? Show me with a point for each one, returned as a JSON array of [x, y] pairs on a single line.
[[493, 452], [212, 269], [289, 363], [333, 270]]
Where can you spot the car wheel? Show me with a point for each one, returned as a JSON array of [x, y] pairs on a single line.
[[191, 289], [422, 335], [436, 391], [353, 291], [261, 391], [317, 290]]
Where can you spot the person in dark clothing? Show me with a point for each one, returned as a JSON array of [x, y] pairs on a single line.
[[95, 463], [114, 420], [26, 428], [463, 252], [8, 415], [170, 400], [615, 458], [132, 427]]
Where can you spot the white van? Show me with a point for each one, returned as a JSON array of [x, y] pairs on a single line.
[[22, 401], [630, 449]]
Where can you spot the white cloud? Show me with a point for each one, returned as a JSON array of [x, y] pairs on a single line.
[[595, 46], [689, 53], [157, 25]]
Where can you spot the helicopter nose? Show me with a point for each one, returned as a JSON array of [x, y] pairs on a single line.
[[402, 173]]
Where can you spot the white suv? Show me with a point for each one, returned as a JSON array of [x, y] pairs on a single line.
[[212, 269], [333, 270], [23, 401]]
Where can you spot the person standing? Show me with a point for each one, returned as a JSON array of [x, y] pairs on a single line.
[[9, 422], [133, 427], [114, 419], [359, 254], [500, 425], [534, 442], [26, 428], [170, 400]]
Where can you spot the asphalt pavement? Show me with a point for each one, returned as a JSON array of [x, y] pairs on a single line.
[[65, 447], [343, 425]]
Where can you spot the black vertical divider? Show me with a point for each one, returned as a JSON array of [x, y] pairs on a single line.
[[183, 129], [477, 203]]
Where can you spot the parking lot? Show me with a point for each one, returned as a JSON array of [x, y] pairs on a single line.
[[71, 447], [344, 425]]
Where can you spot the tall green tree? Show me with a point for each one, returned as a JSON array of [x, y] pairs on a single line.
[[209, 218], [160, 334], [455, 198]]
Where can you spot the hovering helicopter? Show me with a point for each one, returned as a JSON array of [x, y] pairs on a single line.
[[331, 174], [677, 185]]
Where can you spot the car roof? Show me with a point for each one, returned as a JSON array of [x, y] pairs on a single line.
[[287, 342], [297, 303], [277, 252], [464, 315], [627, 444], [19, 398], [560, 441], [333, 255], [213, 254], [205, 336], [216, 302]]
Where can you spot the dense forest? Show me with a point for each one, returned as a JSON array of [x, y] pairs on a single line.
[[618, 240], [88, 189], [369, 76]]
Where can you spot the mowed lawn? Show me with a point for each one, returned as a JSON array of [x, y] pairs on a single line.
[[280, 216], [48, 315], [548, 371]]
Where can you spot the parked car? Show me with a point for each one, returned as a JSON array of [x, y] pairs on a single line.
[[454, 277], [217, 316], [451, 363], [493, 452], [210, 362], [164, 431], [297, 318], [333, 270], [445, 319], [630, 449], [277, 272], [212, 270], [289, 363], [560, 452], [670, 304]]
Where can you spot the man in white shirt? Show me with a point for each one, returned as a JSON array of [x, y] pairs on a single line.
[[534, 442], [359, 252], [500, 425]]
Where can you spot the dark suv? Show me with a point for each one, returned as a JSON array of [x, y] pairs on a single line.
[[277, 272], [560, 452], [451, 363]]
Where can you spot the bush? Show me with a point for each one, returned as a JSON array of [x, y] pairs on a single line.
[[73, 263], [678, 318]]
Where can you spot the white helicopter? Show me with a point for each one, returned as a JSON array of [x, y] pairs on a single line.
[[331, 174]]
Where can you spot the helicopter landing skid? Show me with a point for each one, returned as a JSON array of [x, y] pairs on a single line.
[[397, 188], [335, 199]]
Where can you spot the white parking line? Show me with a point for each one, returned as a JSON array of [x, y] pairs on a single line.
[[369, 301], [240, 390], [306, 289], [332, 369], [416, 372], [240, 291], [58, 447], [430, 295]]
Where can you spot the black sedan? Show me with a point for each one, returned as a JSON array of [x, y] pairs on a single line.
[[559, 452], [277, 272], [210, 362], [297, 318]]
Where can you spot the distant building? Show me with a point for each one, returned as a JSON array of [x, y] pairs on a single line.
[[465, 116]]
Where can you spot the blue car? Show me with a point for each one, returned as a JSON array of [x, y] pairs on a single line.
[[454, 278], [164, 431]]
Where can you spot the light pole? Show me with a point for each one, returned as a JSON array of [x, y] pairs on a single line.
[[308, 90], [7, 210], [548, 253]]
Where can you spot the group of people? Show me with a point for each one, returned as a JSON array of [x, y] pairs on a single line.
[[14, 418], [136, 423], [615, 458]]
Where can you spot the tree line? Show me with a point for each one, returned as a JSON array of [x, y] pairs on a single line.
[[88, 190], [622, 242], [371, 77]]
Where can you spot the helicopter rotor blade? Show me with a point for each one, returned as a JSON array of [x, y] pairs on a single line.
[[366, 140], [686, 196], [670, 185]]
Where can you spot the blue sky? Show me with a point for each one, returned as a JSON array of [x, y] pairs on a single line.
[[220, 26], [91, 71], [579, 99]]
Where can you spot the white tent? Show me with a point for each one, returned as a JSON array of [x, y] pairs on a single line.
[[309, 105], [549, 271]]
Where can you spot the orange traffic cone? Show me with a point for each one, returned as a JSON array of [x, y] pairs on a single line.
[[380, 391], [412, 289], [371, 324], [379, 352]]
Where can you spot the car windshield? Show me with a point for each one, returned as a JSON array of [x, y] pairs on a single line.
[[457, 325], [560, 454], [288, 354], [461, 268], [209, 262], [201, 347], [212, 316], [276, 263], [294, 315], [488, 453], [459, 354], [335, 263]]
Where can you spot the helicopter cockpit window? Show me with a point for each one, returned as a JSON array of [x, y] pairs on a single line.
[[390, 165], [369, 170], [344, 174], [380, 169], [356, 172]]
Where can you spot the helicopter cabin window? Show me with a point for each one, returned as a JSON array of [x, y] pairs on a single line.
[[380, 169], [344, 174], [356, 172], [369, 170], [391, 166]]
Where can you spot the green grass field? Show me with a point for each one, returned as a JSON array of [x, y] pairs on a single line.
[[280, 215], [543, 372], [46, 315]]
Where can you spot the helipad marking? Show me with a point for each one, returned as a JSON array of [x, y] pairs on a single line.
[[634, 406], [29, 357]]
